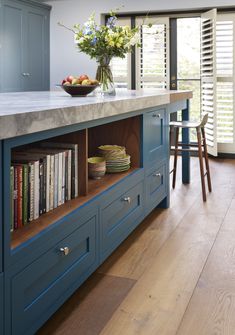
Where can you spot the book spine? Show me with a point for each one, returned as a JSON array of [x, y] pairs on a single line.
[[44, 193], [48, 184], [60, 179], [56, 180], [15, 197], [73, 174], [40, 188], [76, 171], [20, 195], [69, 173], [25, 194], [63, 178], [12, 198], [66, 176], [31, 182], [52, 182], [36, 190], [29, 175]]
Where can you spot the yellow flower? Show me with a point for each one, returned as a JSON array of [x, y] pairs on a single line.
[[111, 43]]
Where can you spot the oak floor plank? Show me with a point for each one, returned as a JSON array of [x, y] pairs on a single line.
[[90, 307], [212, 307]]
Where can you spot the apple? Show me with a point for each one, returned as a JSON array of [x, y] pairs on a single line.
[[83, 77], [63, 81], [67, 83], [75, 81], [86, 82], [70, 79]]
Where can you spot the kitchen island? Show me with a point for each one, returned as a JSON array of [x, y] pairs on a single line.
[[45, 261]]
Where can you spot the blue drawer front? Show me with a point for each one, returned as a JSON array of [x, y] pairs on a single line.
[[119, 215], [155, 135], [156, 186], [42, 283], [1, 305]]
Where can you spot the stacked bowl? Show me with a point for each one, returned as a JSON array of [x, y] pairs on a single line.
[[117, 160]]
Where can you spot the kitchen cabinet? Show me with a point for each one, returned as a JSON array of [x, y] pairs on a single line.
[[24, 45]]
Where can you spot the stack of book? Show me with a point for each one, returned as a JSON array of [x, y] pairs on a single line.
[[42, 178]]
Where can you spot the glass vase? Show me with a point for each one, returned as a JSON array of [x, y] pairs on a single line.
[[105, 77]]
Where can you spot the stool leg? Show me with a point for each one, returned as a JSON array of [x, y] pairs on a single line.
[[200, 156], [175, 156], [206, 160]]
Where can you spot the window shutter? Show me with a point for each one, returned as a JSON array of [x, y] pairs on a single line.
[[152, 58], [121, 67], [208, 77], [225, 79]]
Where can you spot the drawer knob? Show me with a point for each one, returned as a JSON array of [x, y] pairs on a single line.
[[156, 115], [65, 251], [127, 199], [157, 174]]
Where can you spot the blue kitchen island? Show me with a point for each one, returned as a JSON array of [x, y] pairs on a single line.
[[42, 263]]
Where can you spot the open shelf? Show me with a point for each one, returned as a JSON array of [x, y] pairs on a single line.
[[95, 187]]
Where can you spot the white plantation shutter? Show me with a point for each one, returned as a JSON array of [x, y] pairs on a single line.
[[208, 77], [152, 58], [121, 67], [225, 81]]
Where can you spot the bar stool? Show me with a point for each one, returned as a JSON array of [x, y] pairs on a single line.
[[200, 147]]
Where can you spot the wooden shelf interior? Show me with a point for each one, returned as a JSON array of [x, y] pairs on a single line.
[[124, 132]]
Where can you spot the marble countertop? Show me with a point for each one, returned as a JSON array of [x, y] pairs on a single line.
[[29, 112]]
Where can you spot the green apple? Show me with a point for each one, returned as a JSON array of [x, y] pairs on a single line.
[[86, 82]]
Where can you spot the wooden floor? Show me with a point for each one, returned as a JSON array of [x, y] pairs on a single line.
[[175, 275]]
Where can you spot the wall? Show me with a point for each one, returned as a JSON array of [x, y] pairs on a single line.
[[65, 58]]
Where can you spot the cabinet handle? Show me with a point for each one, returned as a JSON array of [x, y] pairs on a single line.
[[156, 115], [157, 174], [65, 251], [25, 74], [127, 199]]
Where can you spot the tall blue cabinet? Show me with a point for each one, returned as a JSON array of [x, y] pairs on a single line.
[[24, 45]]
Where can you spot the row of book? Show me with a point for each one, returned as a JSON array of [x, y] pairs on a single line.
[[41, 179]]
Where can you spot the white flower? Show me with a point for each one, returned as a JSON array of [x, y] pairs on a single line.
[[81, 39]]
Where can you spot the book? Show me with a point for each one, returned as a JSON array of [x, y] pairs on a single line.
[[25, 194], [56, 169], [19, 171], [12, 198], [15, 197], [41, 185]]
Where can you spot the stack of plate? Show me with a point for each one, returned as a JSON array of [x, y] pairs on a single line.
[[116, 158]]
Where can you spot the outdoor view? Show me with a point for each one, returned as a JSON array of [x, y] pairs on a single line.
[[188, 62]]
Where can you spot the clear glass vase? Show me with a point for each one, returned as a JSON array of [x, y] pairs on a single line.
[[105, 77]]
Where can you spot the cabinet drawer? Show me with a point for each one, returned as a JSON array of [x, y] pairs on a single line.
[[156, 186], [37, 290], [155, 138], [119, 216], [1, 305]]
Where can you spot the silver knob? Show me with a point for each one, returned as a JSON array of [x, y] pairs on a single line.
[[127, 199], [157, 175], [156, 115], [65, 251], [25, 74]]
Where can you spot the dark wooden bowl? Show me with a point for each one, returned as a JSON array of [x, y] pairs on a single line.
[[79, 90]]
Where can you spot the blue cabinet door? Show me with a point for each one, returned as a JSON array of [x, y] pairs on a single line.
[[155, 136], [121, 212], [37, 57], [156, 185], [44, 285], [13, 44], [1, 305]]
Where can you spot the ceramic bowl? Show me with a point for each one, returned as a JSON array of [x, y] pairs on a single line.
[[96, 167], [78, 91], [112, 151]]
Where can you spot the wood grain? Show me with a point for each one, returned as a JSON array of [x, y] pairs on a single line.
[[89, 309]]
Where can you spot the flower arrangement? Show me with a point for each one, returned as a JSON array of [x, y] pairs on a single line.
[[103, 42]]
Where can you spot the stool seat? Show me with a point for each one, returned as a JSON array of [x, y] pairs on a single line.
[[185, 124], [200, 147]]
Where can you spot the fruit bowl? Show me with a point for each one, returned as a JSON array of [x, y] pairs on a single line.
[[78, 90]]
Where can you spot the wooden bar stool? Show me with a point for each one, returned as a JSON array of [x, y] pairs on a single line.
[[199, 147]]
